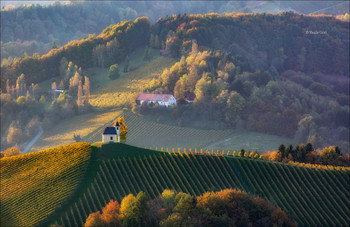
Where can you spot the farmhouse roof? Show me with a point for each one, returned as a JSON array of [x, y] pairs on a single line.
[[154, 97], [109, 131]]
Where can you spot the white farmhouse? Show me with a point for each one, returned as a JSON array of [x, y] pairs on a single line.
[[162, 99], [111, 134]]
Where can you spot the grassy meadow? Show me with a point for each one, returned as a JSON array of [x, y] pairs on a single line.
[[124, 90], [255, 141]]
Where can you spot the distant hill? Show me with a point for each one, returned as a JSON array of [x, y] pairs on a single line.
[[311, 196], [280, 40]]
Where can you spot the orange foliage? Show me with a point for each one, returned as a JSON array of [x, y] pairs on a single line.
[[110, 213], [272, 156]]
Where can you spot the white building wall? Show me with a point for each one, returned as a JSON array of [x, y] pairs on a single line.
[[171, 101], [109, 139]]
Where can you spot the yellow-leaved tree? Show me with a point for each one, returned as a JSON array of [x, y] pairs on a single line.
[[123, 128]]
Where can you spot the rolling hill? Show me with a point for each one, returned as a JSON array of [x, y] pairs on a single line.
[[34, 185], [311, 196]]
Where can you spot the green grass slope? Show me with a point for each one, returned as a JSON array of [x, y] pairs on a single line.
[[33, 186], [311, 196]]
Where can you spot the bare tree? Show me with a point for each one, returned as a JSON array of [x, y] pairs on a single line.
[[87, 89], [80, 94]]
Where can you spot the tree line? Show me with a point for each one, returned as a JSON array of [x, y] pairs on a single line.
[[228, 207], [129, 35], [305, 153]]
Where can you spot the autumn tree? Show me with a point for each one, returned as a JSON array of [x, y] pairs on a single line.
[[80, 94], [111, 214], [21, 85], [86, 89], [12, 151], [94, 220], [15, 135], [194, 50]]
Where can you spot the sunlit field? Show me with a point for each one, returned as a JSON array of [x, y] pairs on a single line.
[[82, 125], [125, 89]]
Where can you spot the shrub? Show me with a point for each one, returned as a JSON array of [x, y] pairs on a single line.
[[12, 151], [114, 72]]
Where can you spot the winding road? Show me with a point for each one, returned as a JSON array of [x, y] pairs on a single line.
[[31, 143]]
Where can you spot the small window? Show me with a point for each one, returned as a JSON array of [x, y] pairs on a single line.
[[111, 137]]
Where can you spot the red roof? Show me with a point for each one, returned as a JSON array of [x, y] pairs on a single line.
[[154, 97]]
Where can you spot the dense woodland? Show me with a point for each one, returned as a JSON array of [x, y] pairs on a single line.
[[262, 72], [34, 28], [223, 208]]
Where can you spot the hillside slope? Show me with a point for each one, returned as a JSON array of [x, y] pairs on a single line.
[[66, 192], [311, 196], [34, 185]]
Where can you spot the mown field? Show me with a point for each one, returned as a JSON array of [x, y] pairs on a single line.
[[83, 125], [311, 196], [33, 186], [146, 133]]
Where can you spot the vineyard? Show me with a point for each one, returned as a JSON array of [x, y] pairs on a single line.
[[34, 185], [311, 196]]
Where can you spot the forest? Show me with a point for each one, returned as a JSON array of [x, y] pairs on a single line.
[[29, 29], [257, 71]]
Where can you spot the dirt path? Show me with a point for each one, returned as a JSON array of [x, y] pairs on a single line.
[[33, 140]]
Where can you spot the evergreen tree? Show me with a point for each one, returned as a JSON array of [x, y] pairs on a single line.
[[54, 45], [281, 149]]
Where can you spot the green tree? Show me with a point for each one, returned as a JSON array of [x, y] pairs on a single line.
[[174, 220], [54, 45], [134, 214], [234, 107], [114, 72]]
